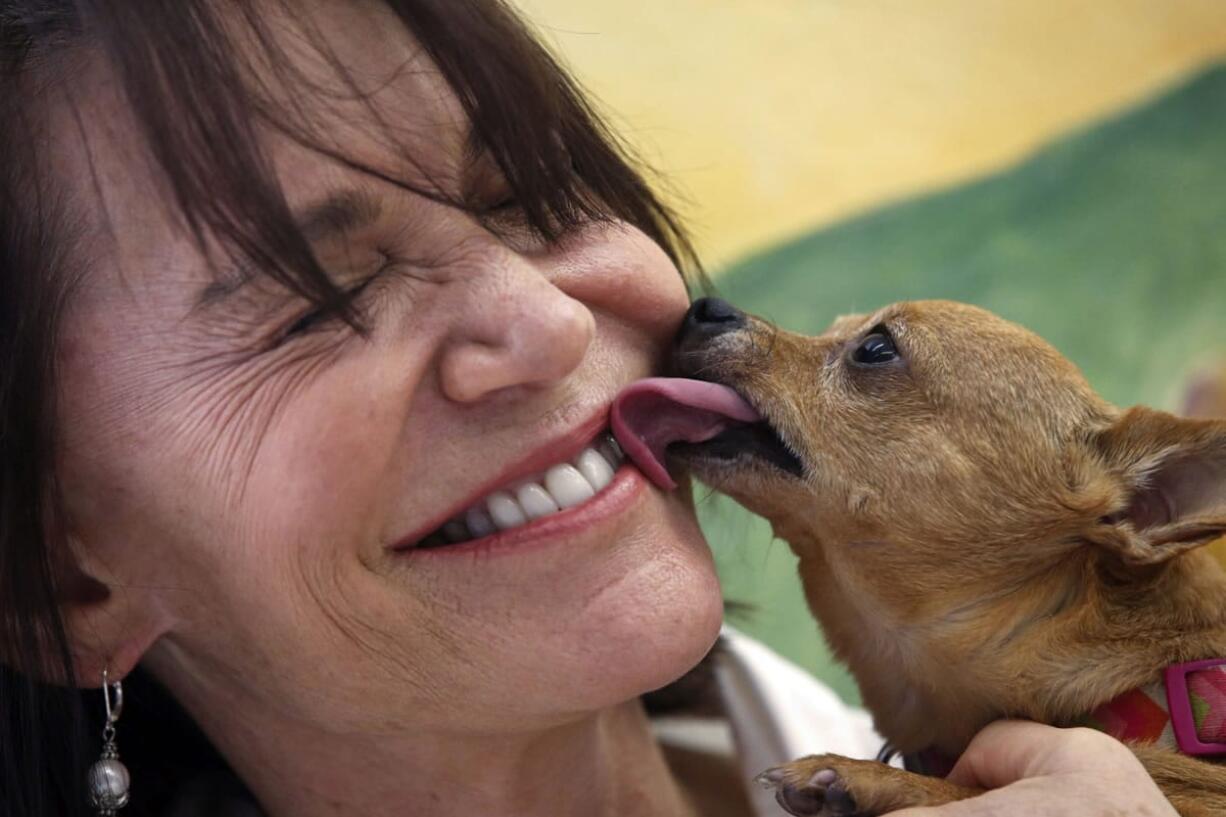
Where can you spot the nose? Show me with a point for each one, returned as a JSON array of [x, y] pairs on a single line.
[[518, 330], [709, 317]]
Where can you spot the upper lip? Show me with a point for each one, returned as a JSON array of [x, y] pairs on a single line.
[[561, 448]]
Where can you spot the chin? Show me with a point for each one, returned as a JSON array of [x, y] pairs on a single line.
[[582, 626], [656, 623]]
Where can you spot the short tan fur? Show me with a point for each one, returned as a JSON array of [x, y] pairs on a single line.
[[980, 534]]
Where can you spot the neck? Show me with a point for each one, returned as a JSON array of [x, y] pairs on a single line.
[[607, 763], [1052, 648], [1124, 635]]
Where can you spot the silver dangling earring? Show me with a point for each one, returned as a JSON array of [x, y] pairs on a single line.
[[108, 778]]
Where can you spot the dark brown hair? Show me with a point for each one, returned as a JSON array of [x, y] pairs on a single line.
[[191, 100]]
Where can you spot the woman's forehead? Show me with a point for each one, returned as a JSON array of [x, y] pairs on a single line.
[[360, 82], [364, 96]]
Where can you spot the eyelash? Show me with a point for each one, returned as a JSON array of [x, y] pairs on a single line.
[[306, 321]]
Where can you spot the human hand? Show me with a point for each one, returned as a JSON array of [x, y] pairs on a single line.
[[1041, 771]]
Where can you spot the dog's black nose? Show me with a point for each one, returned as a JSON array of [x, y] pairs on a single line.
[[712, 316]]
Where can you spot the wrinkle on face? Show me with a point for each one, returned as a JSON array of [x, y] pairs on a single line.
[[231, 419], [252, 487]]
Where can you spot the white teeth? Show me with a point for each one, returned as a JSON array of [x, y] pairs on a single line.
[[535, 500], [567, 486], [479, 522], [595, 469], [564, 486], [505, 511]]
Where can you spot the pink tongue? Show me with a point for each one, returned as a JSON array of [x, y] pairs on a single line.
[[649, 415]]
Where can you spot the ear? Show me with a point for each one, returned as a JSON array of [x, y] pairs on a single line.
[[1171, 475], [110, 624], [1206, 395], [109, 617], [106, 626]]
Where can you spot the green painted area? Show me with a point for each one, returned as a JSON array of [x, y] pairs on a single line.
[[1110, 243], [1200, 708]]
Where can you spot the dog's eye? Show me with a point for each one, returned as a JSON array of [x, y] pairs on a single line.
[[876, 348]]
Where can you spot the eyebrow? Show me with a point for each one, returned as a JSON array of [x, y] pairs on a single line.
[[332, 215], [337, 213]]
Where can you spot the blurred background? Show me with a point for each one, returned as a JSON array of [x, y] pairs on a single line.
[[1062, 163]]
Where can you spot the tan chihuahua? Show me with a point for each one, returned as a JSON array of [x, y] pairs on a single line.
[[980, 535]]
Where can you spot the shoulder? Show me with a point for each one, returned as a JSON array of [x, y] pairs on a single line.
[[778, 711], [769, 711]]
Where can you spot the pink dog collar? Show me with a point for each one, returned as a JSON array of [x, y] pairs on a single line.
[[1186, 711], [1196, 700]]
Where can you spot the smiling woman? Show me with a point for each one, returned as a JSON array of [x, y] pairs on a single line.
[[312, 315], [289, 292]]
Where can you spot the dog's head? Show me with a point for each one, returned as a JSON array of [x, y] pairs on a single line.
[[933, 446]]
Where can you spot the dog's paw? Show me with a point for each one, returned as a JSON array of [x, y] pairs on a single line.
[[810, 788]]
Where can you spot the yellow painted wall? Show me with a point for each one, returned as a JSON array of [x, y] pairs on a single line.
[[774, 116]]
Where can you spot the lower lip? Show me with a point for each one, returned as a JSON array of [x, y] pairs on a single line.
[[627, 485]]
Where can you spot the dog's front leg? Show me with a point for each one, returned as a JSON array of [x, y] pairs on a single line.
[[836, 786]]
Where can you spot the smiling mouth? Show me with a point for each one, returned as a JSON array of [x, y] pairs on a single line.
[[556, 489]]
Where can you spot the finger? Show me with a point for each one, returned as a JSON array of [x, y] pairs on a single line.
[[991, 804], [1010, 802], [982, 806], [1008, 751]]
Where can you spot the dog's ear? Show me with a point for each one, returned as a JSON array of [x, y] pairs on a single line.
[[1172, 478]]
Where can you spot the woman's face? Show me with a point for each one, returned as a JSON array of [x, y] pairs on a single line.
[[247, 482]]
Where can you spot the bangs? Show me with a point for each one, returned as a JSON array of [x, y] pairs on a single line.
[[198, 98], [200, 78]]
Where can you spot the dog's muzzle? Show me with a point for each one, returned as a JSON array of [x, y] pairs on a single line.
[[706, 320]]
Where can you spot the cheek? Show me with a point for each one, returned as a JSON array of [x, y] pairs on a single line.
[[619, 272], [278, 560]]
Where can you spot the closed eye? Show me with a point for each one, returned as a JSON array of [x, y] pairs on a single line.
[[319, 316], [507, 202]]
